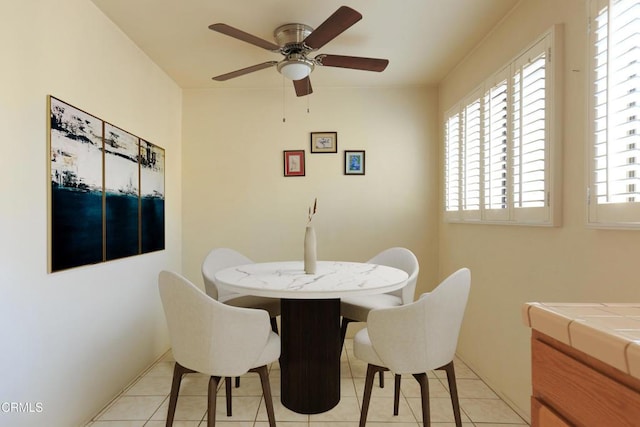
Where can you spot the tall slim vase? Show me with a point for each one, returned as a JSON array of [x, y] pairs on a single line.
[[310, 250]]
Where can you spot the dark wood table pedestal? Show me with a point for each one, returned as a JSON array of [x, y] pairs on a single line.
[[310, 358]]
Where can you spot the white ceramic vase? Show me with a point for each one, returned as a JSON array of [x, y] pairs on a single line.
[[310, 255]]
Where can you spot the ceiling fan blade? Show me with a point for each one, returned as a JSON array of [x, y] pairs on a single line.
[[242, 72], [355, 62], [341, 19], [245, 37], [303, 86]]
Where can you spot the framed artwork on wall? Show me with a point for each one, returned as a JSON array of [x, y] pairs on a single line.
[[324, 142], [294, 163], [76, 191], [354, 162], [106, 190]]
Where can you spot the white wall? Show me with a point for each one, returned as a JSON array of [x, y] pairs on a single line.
[[73, 340], [235, 194], [512, 264]]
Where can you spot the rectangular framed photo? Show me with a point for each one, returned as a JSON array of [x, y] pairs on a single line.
[[354, 162], [324, 142], [294, 163]]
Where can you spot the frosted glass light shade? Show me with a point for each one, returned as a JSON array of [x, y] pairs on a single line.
[[295, 70]]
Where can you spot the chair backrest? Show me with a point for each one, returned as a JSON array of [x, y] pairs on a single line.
[[403, 259], [208, 336], [216, 260], [423, 335]]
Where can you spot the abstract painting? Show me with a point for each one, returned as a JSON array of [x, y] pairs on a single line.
[[107, 190], [76, 187], [151, 196], [122, 189]]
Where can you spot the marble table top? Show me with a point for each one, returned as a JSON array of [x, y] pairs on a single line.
[[333, 279]]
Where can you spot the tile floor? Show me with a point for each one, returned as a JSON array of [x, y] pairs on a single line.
[[144, 403]]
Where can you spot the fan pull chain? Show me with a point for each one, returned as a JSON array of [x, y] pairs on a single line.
[[284, 119]]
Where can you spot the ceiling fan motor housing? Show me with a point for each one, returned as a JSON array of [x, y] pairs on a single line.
[[290, 37]]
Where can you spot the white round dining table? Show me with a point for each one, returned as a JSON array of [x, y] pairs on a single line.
[[310, 319]]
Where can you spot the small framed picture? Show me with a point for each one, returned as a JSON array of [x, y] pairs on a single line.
[[324, 142], [294, 163], [354, 162]]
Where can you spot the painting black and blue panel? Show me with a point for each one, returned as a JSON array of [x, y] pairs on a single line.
[[76, 186], [152, 196], [122, 188]]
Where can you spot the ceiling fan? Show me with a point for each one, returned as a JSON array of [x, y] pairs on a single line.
[[295, 42]]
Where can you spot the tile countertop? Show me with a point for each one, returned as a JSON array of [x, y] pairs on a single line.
[[608, 332]]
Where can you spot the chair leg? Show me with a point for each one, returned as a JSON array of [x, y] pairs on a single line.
[[227, 385], [343, 330], [453, 390], [368, 386], [266, 391], [396, 394], [424, 393], [213, 391], [274, 325], [178, 372], [381, 375]]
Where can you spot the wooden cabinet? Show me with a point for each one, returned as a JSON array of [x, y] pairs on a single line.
[[571, 388]]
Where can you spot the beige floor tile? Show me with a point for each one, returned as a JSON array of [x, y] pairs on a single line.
[[150, 386], [195, 385], [162, 369], [249, 386], [147, 399], [282, 424], [410, 387], [189, 408], [220, 423], [117, 424], [376, 391], [440, 407], [347, 409], [472, 389], [489, 411], [347, 387], [175, 424], [281, 412], [244, 408], [499, 425], [462, 372], [381, 410], [132, 408], [333, 424], [345, 369]]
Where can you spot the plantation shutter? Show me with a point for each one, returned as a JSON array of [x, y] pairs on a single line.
[[452, 163], [495, 148], [615, 36], [529, 131], [471, 157]]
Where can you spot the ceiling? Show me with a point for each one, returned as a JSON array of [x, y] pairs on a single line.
[[422, 39]]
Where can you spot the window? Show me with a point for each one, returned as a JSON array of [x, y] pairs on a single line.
[[613, 195], [501, 144]]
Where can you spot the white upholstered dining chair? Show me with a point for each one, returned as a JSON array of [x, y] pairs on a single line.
[[215, 339], [416, 338], [221, 258], [356, 308]]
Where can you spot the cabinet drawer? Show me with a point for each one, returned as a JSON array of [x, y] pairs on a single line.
[[580, 394], [542, 416]]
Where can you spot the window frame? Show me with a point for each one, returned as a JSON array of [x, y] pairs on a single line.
[[625, 215], [548, 44]]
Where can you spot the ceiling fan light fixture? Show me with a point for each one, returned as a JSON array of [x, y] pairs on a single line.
[[295, 67]]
